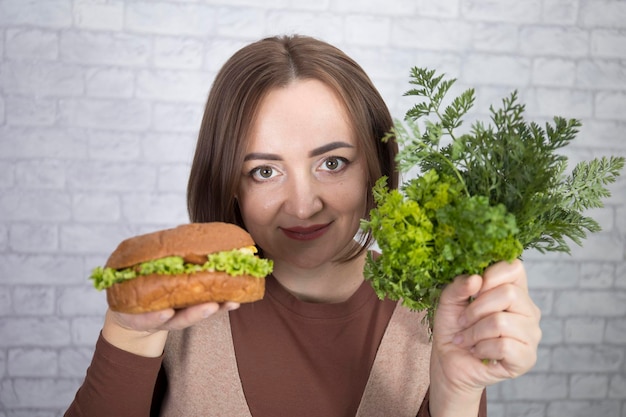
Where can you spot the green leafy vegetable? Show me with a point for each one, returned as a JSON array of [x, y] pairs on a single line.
[[235, 262], [483, 196]]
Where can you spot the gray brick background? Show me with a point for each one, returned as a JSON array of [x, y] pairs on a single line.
[[101, 100]]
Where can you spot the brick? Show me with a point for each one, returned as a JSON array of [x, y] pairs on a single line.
[[218, 50], [392, 7], [91, 238], [617, 388], [554, 41], [110, 82], [85, 330], [610, 105], [81, 300], [549, 102], [554, 72], [34, 238], [73, 362], [31, 111], [34, 300], [596, 303], [41, 79], [173, 85], [601, 247], [121, 49], [178, 117], [535, 387], [496, 70], [551, 275], [434, 34], [598, 358], [21, 269], [98, 15], [560, 12], [169, 19], [597, 275], [155, 208], [52, 13], [616, 331], [129, 114], [35, 174], [173, 178], [589, 330], [600, 134], [28, 43], [523, 409], [589, 386], [6, 305], [169, 147], [495, 37], [443, 8], [240, 23], [17, 393], [102, 175], [367, 30], [114, 145], [7, 177], [572, 408], [2, 106], [502, 11], [3, 363], [35, 362], [544, 299], [321, 25], [96, 207], [184, 53], [28, 205], [601, 75], [608, 44], [41, 332], [605, 14], [36, 142], [552, 331]]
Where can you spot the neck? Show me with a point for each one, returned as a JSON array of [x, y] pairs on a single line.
[[329, 283]]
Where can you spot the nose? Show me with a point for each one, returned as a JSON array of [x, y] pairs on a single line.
[[303, 199]]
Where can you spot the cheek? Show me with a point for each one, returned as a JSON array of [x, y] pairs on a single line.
[[257, 208]]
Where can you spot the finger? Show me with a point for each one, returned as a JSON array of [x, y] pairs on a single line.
[[513, 357], [505, 273], [460, 291], [146, 322], [500, 325], [191, 315], [506, 297]]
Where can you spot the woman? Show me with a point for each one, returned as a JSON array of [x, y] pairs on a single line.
[[289, 149]]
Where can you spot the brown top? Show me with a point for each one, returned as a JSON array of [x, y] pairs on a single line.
[[321, 351], [293, 345]]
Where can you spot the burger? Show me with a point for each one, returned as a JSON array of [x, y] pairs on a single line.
[[183, 266]]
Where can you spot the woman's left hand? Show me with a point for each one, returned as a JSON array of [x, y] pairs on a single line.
[[486, 329]]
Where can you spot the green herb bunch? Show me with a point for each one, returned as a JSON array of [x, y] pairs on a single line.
[[482, 196]]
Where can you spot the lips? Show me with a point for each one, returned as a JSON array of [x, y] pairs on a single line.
[[306, 233]]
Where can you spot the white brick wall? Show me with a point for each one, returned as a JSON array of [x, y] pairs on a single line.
[[100, 102]]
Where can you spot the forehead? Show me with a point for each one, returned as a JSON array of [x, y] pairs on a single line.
[[306, 111]]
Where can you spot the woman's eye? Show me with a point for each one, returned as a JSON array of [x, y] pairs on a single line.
[[334, 163], [262, 173]]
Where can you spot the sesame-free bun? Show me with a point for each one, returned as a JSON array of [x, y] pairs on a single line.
[[193, 242], [190, 241]]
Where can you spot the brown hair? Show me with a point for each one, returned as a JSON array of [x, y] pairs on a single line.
[[235, 96]]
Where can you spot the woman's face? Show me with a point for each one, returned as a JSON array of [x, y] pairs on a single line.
[[303, 183]]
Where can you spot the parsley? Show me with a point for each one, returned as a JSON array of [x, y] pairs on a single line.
[[483, 196]]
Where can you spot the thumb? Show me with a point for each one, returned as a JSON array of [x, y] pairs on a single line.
[[461, 290]]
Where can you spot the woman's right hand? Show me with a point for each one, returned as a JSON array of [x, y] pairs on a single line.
[[145, 334]]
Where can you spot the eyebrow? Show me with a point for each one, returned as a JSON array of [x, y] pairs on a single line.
[[315, 152]]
